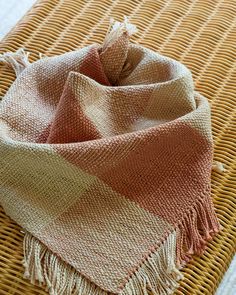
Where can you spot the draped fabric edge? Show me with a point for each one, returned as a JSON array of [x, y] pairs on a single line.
[[158, 273]]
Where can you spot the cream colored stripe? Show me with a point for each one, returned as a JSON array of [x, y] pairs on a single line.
[[75, 214], [36, 185], [200, 119], [104, 235]]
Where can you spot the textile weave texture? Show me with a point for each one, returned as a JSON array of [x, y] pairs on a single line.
[[107, 156], [213, 122]]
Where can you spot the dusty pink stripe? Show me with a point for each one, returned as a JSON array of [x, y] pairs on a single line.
[[70, 123], [92, 67], [162, 169]]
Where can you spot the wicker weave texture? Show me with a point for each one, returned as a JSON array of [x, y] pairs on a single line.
[[202, 35]]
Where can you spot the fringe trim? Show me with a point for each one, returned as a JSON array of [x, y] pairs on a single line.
[[18, 60], [158, 274], [218, 167], [116, 29], [49, 270], [195, 229]]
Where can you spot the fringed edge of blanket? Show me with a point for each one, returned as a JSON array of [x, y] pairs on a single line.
[[18, 60], [158, 274]]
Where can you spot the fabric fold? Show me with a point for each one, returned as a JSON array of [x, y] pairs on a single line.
[[106, 164]]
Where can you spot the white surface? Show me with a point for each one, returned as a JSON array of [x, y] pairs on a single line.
[[228, 285], [11, 12]]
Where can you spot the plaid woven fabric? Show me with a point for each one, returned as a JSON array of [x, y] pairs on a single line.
[[106, 157]]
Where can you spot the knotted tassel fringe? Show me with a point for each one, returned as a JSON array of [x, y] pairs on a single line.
[[18, 60], [218, 167], [49, 270], [195, 229], [158, 274], [116, 29]]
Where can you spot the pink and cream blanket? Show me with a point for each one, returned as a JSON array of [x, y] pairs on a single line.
[[106, 156]]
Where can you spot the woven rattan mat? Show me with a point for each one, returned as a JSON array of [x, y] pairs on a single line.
[[202, 35]]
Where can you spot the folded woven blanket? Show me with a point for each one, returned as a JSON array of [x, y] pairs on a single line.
[[106, 157]]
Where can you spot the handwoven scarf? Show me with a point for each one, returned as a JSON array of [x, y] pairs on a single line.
[[106, 157]]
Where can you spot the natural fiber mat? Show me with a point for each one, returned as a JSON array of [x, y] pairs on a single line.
[[202, 35]]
